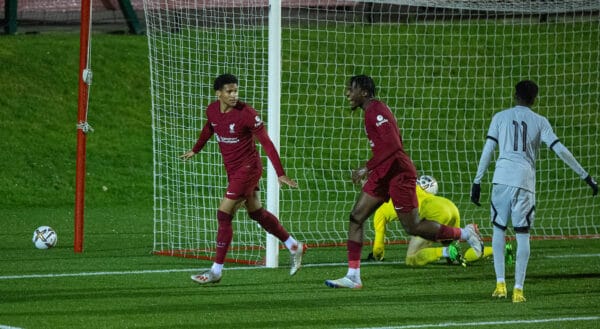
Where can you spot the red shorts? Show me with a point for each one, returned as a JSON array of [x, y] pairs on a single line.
[[243, 182], [390, 180]]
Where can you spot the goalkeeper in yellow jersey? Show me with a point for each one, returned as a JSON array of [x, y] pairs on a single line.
[[420, 251]]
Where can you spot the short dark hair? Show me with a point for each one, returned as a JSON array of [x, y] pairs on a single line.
[[526, 90], [224, 79], [363, 82]]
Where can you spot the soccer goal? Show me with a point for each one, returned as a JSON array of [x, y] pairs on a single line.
[[444, 67]]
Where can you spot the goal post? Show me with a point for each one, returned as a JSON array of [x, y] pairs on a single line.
[[444, 67], [273, 105]]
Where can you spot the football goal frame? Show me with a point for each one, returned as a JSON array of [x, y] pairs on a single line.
[[444, 67]]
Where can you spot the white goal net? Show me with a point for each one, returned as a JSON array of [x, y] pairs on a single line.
[[443, 67]]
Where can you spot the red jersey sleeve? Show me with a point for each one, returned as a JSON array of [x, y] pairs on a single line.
[[260, 132], [205, 135], [383, 133], [269, 147]]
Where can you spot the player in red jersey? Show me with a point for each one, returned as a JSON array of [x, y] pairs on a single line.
[[390, 173], [235, 125]]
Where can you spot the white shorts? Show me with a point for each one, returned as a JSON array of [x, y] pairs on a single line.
[[514, 203]]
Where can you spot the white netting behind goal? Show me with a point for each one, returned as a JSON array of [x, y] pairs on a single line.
[[443, 67]]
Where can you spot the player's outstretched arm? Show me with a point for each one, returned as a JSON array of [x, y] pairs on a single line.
[[287, 181], [187, 155], [565, 155], [205, 135], [592, 183]]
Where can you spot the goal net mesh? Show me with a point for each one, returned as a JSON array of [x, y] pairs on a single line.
[[443, 67]]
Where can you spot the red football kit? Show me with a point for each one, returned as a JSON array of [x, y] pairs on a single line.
[[391, 172], [235, 132]]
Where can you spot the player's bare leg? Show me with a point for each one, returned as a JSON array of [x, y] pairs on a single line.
[[434, 231], [413, 225]]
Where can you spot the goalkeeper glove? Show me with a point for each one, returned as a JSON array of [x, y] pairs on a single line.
[[592, 183], [475, 193]]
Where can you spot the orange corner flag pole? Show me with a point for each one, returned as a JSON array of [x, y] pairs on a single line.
[[85, 78]]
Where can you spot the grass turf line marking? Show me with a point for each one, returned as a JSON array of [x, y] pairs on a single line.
[[193, 270], [8, 327], [487, 323], [62, 275], [573, 256]]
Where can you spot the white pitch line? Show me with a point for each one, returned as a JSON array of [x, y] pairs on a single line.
[[573, 256], [8, 327], [191, 270], [487, 323], [62, 275], [194, 270]]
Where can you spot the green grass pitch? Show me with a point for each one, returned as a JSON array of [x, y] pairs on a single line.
[[117, 283]]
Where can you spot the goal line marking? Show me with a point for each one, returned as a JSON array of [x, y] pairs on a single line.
[[193, 270]]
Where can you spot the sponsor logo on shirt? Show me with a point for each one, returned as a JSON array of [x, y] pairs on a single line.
[[226, 140], [380, 120]]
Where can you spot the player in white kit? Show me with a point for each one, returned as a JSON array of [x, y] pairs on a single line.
[[518, 133]]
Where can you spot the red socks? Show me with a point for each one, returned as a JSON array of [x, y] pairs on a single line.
[[224, 235], [225, 230], [448, 233], [270, 223], [354, 249]]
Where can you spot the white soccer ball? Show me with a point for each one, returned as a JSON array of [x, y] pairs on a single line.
[[428, 184], [44, 237]]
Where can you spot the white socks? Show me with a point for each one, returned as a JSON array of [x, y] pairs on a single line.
[[498, 244], [216, 268], [522, 256], [523, 251], [445, 252], [353, 272], [289, 243]]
